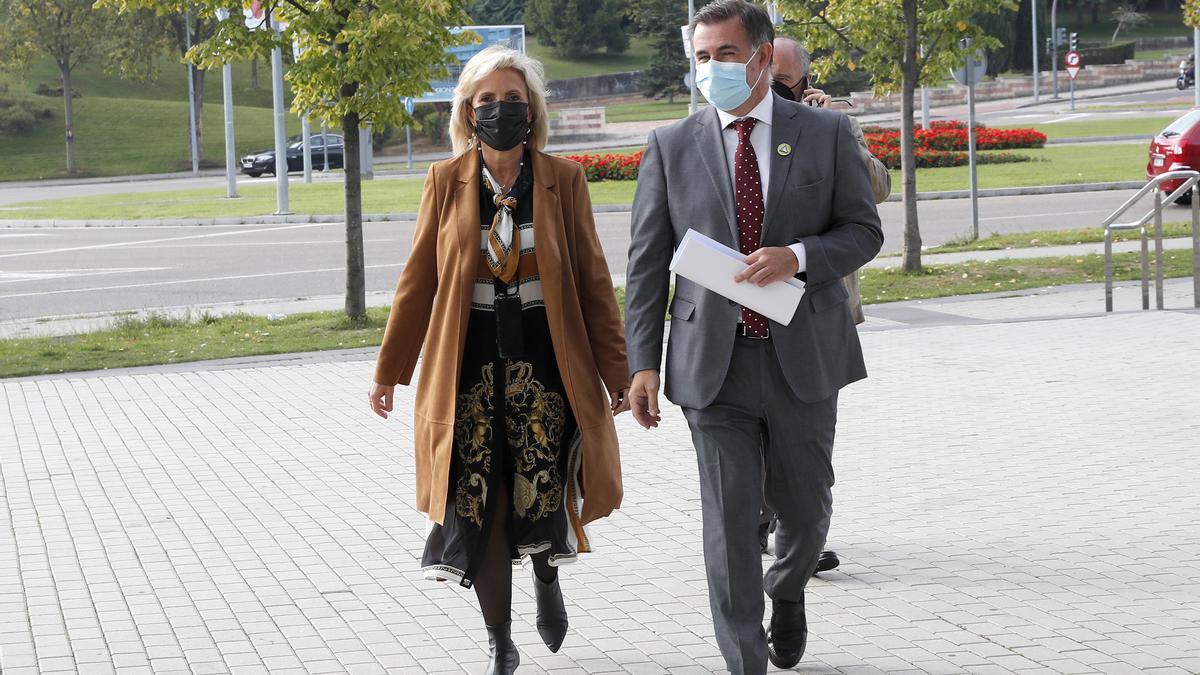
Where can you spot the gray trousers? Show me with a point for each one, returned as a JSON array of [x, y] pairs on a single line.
[[756, 427]]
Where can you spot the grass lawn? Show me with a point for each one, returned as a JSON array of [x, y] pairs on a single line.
[[1116, 126], [90, 79], [1161, 24], [1066, 164], [119, 137], [158, 340], [400, 195], [1054, 165], [636, 57], [936, 281], [648, 111], [999, 242], [1155, 54]]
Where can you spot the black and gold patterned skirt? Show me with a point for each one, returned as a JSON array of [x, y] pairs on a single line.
[[513, 423]]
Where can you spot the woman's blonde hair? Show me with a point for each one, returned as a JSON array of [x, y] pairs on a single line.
[[480, 66]]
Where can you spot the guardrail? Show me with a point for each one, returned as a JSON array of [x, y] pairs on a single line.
[[1190, 181]]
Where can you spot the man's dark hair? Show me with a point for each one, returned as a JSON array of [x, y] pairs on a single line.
[[754, 18]]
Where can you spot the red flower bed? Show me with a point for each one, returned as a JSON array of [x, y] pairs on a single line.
[[943, 144], [610, 166], [952, 135], [931, 159]]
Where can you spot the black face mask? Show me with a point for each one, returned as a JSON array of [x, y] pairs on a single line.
[[502, 125], [785, 91]]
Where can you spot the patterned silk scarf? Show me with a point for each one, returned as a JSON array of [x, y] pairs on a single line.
[[504, 239]]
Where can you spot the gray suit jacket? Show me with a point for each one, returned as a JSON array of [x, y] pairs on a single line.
[[819, 194]]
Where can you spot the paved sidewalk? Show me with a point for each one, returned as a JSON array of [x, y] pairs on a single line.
[[1013, 496]]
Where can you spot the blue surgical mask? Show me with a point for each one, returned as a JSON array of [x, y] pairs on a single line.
[[723, 84]]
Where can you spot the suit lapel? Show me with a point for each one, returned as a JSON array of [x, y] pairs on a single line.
[[708, 135], [785, 129]]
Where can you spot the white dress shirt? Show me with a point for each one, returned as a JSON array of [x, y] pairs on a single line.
[[760, 140]]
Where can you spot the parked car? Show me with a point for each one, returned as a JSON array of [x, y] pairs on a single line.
[[1176, 148], [257, 163]]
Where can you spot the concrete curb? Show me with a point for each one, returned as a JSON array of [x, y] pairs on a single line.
[[600, 208], [1026, 191], [1099, 139], [201, 222]]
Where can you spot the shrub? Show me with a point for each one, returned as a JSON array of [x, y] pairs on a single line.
[[16, 120], [20, 115]]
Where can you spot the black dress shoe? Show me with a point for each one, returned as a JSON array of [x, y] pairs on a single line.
[[827, 561], [504, 658], [787, 635], [551, 612]]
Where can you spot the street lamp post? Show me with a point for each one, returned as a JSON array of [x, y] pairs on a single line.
[[1054, 47], [1196, 59], [187, 39], [1037, 75], [281, 164], [230, 148]]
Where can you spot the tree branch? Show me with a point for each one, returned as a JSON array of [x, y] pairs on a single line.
[[301, 8]]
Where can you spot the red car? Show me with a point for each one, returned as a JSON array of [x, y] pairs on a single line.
[[1176, 148]]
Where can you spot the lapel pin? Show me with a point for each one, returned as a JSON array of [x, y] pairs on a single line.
[[784, 149]]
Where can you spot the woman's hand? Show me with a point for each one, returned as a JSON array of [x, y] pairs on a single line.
[[381, 398], [620, 402]]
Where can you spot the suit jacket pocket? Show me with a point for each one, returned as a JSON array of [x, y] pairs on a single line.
[[807, 186], [829, 295], [682, 308]]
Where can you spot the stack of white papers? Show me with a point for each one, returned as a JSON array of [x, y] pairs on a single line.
[[713, 265]]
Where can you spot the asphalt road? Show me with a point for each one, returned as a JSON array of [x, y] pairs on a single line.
[[69, 271]]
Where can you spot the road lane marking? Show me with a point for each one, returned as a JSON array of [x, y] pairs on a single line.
[[117, 244], [46, 275], [1067, 118], [186, 281], [1046, 215], [260, 243]]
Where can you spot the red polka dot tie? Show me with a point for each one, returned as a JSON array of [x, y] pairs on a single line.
[[748, 195]]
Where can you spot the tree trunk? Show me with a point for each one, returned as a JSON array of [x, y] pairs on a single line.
[[254, 73], [908, 159], [356, 293], [68, 114]]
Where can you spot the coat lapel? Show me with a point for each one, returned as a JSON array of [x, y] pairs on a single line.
[[708, 135], [548, 233], [785, 129], [466, 208]]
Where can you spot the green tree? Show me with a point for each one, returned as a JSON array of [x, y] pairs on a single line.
[[358, 62], [660, 20], [70, 32], [578, 27], [900, 43], [497, 12]]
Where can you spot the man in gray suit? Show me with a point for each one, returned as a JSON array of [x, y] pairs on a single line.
[[784, 183]]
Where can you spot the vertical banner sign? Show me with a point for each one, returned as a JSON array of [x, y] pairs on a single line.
[[508, 36]]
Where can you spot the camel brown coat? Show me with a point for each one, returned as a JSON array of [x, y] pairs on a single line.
[[433, 302]]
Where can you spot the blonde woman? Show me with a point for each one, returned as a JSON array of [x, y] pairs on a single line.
[[524, 362]]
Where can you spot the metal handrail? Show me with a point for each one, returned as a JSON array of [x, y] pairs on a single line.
[[1191, 182]]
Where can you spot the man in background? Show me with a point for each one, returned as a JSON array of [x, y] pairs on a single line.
[[791, 72]]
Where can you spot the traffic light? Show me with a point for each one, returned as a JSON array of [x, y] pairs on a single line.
[[1074, 41], [1060, 37]]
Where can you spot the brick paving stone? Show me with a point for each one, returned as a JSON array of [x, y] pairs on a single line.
[[990, 513]]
